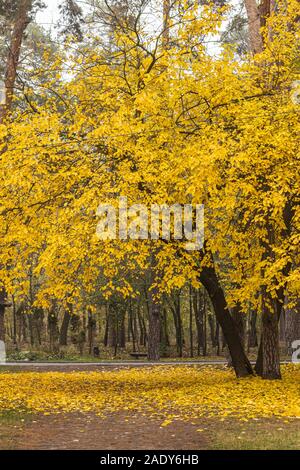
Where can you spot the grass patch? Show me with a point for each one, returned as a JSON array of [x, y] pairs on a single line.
[[264, 434], [11, 426], [11, 417]]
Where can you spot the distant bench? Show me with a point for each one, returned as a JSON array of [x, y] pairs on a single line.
[[137, 355]]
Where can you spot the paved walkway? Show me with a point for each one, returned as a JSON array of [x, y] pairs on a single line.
[[116, 364]]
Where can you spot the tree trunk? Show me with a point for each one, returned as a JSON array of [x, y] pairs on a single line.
[[142, 329], [14, 322], [112, 328], [166, 20], [217, 340], [211, 325], [39, 324], [292, 326], [254, 24], [132, 326], [91, 327], [191, 320], [105, 339], [20, 25], [154, 326], [63, 335], [53, 331], [31, 328], [252, 337], [174, 303], [129, 322], [239, 319], [164, 337], [12, 62], [270, 339], [204, 350], [2, 313], [240, 362], [200, 316], [165, 328], [2, 324], [135, 329], [121, 328], [196, 304], [24, 327], [282, 327], [180, 330], [272, 308]]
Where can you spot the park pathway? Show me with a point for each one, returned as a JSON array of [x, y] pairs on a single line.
[[117, 431]]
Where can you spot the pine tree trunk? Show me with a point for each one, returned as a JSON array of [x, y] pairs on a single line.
[[21, 22], [19, 27], [254, 21]]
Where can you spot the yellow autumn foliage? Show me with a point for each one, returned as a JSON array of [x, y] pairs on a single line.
[[178, 392], [163, 126]]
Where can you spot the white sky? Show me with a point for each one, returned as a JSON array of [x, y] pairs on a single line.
[[48, 15]]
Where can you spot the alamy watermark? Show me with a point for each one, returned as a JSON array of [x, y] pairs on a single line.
[[183, 222], [296, 352], [295, 92], [2, 353]]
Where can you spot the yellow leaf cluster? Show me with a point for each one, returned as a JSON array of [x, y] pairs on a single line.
[[180, 392]]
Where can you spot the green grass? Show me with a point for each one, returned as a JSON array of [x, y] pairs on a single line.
[[265, 434], [230, 434], [11, 425], [13, 418]]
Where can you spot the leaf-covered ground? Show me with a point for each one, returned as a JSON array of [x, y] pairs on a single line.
[[170, 393]]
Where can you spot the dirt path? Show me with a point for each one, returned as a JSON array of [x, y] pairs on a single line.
[[78, 431], [102, 365], [137, 432], [92, 366]]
